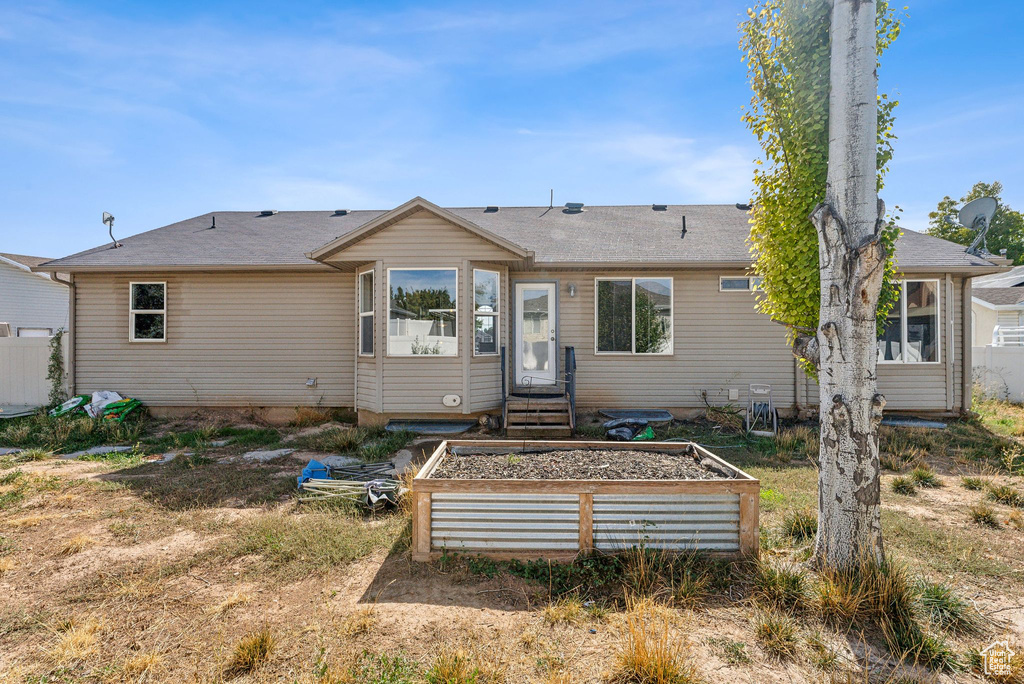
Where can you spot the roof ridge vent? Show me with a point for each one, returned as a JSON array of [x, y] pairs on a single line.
[[573, 208], [340, 212], [659, 207], [491, 209], [268, 212]]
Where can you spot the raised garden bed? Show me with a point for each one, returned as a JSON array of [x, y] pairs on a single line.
[[556, 500]]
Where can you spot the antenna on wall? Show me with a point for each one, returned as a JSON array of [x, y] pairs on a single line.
[[108, 219], [977, 215]]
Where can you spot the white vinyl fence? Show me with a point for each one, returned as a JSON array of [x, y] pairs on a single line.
[[23, 362], [1000, 371]]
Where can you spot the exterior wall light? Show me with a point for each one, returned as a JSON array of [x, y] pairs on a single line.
[[572, 289]]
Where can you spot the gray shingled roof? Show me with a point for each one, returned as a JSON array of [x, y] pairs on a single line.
[[600, 234], [999, 296]]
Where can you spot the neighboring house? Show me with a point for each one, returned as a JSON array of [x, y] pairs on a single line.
[[417, 311], [31, 304], [998, 300]]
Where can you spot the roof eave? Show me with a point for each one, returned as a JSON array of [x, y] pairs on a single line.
[[124, 268]]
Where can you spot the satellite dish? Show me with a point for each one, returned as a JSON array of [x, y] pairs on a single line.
[[108, 221], [977, 215]]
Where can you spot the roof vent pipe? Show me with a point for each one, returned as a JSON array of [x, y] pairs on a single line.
[[213, 222], [683, 234], [268, 212]]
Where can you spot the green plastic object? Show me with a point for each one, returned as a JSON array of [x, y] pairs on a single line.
[[645, 435], [119, 410], [72, 405]]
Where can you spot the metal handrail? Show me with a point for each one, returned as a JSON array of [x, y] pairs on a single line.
[[504, 391], [570, 384]]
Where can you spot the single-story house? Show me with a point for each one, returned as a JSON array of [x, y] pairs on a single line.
[[998, 300], [423, 311], [31, 304]]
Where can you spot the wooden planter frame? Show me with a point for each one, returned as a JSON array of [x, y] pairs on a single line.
[[424, 486]]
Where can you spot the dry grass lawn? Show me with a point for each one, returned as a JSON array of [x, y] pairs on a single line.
[[207, 570]]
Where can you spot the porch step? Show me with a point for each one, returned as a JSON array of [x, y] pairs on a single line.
[[542, 431], [538, 404], [536, 418]]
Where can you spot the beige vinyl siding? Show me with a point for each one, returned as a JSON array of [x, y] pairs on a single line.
[[31, 300], [720, 343], [420, 238], [232, 339]]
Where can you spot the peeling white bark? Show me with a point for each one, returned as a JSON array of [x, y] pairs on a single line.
[[852, 262]]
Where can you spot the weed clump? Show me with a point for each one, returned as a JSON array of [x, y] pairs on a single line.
[[924, 476], [776, 632], [1005, 494], [251, 652], [983, 514], [650, 650], [972, 482], [904, 486], [800, 525]]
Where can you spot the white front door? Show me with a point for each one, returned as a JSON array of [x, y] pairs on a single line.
[[536, 348]]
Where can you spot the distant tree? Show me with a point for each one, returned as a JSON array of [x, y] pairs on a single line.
[[421, 302], [1005, 232]]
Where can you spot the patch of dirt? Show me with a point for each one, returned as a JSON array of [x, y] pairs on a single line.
[[574, 464]]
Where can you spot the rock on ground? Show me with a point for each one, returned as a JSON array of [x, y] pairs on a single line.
[[262, 456]]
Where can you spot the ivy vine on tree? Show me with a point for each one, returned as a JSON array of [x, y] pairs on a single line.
[[786, 47], [55, 369]]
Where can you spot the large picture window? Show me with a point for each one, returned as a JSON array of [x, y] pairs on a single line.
[[147, 312], [911, 333], [633, 316], [486, 298], [422, 314], [366, 313]]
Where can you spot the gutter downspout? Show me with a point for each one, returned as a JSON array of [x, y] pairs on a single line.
[[72, 330]]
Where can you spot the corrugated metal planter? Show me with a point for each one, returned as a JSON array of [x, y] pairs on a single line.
[[560, 519]]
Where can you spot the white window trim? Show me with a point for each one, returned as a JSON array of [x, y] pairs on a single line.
[[362, 314], [751, 287], [903, 325], [632, 317], [387, 330], [132, 310], [496, 314]]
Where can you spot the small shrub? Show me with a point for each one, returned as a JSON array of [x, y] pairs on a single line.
[[650, 651], [1005, 494], [800, 525], [1015, 520], [779, 586], [983, 514], [77, 544], [251, 652], [944, 609], [455, 666], [925, 477], [972, 483], [904, 486], [565, 610], [776, 632]]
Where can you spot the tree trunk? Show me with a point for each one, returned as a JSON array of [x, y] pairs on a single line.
[[852, 260]]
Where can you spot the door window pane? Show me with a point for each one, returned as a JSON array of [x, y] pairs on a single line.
[[614, 315], [422, 315], [536, 329], [653, 315]]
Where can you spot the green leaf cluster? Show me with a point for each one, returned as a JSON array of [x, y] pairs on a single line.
[[1005, 232], [786, 46]]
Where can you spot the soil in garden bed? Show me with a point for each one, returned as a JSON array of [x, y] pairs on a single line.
[[574, 464]]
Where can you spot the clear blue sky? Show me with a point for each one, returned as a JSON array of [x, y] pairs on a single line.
[[161, 111]]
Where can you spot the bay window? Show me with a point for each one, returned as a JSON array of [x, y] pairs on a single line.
[[486, 291], [911, 333], [633, 315], [423, 312]]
